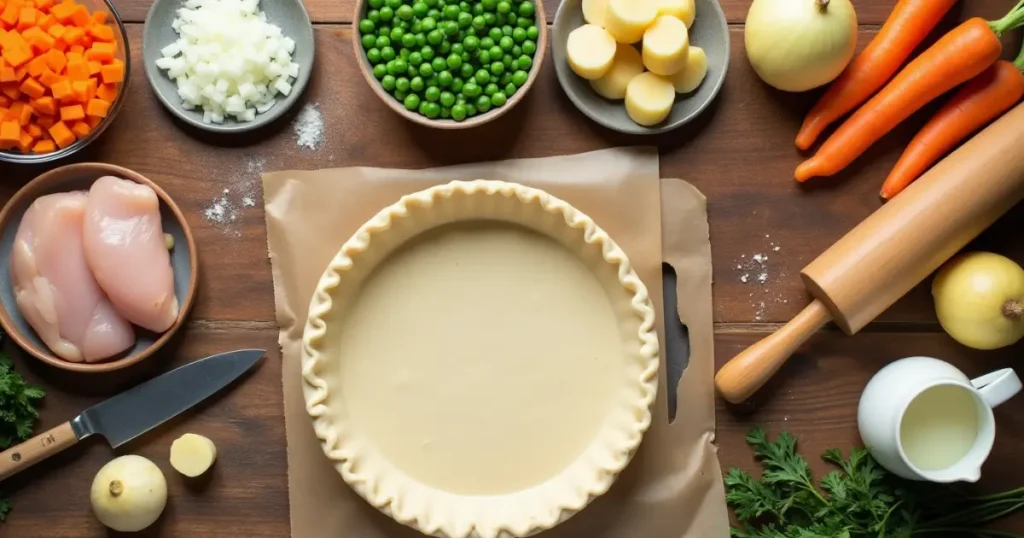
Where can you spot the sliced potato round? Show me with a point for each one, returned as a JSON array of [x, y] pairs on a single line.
[[666, 43], [626, 20], [590, 50], [649, 99], [594, 11], [684, 10], [690, 77], [192, 455], [626, 65]]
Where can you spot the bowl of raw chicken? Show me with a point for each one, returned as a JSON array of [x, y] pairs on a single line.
[[98, 267]]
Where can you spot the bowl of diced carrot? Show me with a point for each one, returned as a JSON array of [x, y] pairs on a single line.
[[63, 72]]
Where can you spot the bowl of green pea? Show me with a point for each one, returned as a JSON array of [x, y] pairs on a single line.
[[450, 64]]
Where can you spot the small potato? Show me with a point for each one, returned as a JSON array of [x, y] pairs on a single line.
[[590, 51], [594, 11], [626, 20], [684, 10], [691, 76], [626, 65], [649, 99], [666, 43], [192, 455]]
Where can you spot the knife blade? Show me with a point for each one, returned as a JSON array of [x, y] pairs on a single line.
[[124, 417]]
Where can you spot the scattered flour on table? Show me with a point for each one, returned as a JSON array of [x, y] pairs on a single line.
[[309, 127], [243, 192], [755, 270]]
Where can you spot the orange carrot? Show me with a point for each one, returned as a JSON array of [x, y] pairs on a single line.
[[983, 99], [958, 56]]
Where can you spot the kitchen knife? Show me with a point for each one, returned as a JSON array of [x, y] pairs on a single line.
[[137, 410]]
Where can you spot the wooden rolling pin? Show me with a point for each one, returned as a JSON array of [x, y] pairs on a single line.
[[895, 248]]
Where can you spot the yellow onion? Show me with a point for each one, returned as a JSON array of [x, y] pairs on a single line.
[[979, 300]]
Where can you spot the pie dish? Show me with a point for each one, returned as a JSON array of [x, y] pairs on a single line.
[[479, 360]]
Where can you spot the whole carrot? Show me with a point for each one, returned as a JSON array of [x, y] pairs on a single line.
[[907, 25], [957, 57], [983, 99]]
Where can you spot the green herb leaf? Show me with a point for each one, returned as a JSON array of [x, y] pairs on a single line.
[[18, 412]]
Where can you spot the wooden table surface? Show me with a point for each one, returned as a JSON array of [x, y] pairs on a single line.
[[739, 153]]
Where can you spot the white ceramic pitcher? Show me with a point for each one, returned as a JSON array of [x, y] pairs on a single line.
[[891, 391]]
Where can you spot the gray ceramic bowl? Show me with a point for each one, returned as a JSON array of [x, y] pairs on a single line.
[[709, 32], [290, 15], [81, 177]]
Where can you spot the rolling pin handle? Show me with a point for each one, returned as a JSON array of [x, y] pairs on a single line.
[[747, 372]]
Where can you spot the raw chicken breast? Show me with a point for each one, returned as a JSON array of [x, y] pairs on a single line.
[[54, 287], [124, 245]]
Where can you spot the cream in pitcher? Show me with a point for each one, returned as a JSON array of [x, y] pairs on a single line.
[[923, 419]]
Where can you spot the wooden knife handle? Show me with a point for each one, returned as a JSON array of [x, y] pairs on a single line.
[[747, 372], [36, 449]]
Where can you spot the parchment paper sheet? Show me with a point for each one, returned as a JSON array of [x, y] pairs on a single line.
[[673, 486]]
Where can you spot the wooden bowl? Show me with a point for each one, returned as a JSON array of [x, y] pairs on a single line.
[[80, 177], [367, 70]]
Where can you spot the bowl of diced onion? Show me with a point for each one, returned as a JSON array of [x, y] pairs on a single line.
[[228, 66], [71, 85]]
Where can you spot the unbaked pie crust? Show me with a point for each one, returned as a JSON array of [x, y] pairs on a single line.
[[480, 360]]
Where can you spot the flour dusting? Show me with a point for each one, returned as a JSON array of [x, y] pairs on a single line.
[[309, 127], [756, 270]]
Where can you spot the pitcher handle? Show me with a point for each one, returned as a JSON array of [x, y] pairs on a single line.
[[997, 387]]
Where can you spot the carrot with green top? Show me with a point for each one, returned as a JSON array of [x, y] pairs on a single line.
[[905, 29], [957, 57], [983, 99]]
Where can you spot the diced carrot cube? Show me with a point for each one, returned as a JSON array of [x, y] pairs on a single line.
[[113, 73], [78, 49], [36, 66], [80, 17], [9, 16], [62, 135], [56, 30], [64, 11], [44, 5], [69, 114], [81, 129], [93, 121], [7, 74], [97, 107], [10, 89], [46, 122], [78, 70], [56, 60], [94, 67], [34, 130], [25, 142], [20, 73], [32, 88], [44, 146], [103, 52], [107, 92], [73, 55], [10, 131], [5, 101], [49, 78], [13, 113], [99, 17], [26, 18], [25, 115], [72, 35], [60, 45], [39, 40], [16, 55], [45, 106], [62, 89], [46, 21], [102, 32], [91, 85]]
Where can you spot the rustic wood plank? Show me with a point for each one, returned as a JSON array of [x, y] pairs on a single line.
[[869, 12], [738, 153], [244, 494]]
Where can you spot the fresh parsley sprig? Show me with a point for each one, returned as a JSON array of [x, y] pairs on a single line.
[[859, 499], [18, 412]]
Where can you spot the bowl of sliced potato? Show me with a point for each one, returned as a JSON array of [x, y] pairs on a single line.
[[640, 66]]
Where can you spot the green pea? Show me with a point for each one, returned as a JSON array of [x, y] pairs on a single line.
[[504, 7], [433, 110], [376, 4], [404, 12], [466, 57], [400, 95], [495, 34], [444, 48], [451, 12], [434, 14], [478, 22], [511, 19], [506, 79], [409, 40], [466, 71], [510, 89], [373, 55], [431, 80], [416, 84], [393, 4], [472, 89], [458, 48], [402, 84], [383, 41], [435, 37], [470, 32], [430, 3], [489, 5], [451, 28], [524, 23], [402, 25], [525, 63], [369, 41], [460, 99], [529, 48], [438, 64], [506, 31], [518, 35], [526, 9], [428, 24], [426, 70], [421, 40], [465, 20], [412, 71], [415, 59], [388, 82], [366, 26], [464, 6], [454, 61], [423, 108], [445, 78], [478, 9], [486, 43], [456, 85], [516, 51], [427, 53], [470, 110], [433, 93], [387, 54], [373, 16], [507, 61], [446, 113], [497, 68], [496, 52], [506, 43], [384, 31], [419, 9], [498, 99], [471, 43], [519, 78], [459, 112], [386, 14], [532, 33], [483, 103], [490, 89], [447, 99], [490, 18], [416, 27], [482, 77], [404, 54], [484, 58], [379, 71]]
